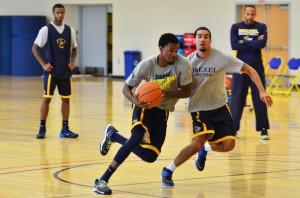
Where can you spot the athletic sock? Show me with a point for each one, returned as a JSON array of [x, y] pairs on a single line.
[[65, 122], [207, 147], [108, 173], [43, 123], [172, 167]]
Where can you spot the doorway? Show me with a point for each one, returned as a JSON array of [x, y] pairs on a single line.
[[95, 35]]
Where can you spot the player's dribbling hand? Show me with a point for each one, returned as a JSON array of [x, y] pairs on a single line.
[[141, 104]]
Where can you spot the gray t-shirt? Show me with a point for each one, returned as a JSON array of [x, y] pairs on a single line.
[[208, 89], [169, 78]]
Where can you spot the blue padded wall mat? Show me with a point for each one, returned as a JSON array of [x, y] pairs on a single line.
[[5, 45], [24, 32]]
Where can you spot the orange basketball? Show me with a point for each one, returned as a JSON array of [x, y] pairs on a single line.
[[150, 92], [227, 83]]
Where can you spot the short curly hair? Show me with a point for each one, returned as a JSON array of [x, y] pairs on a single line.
[[58, 5], [167, 38]]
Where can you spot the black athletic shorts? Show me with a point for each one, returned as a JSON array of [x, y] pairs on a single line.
[[154, 121], [63, 86], [217, 122]]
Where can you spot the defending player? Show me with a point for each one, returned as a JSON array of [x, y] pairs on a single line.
[[207, 104]]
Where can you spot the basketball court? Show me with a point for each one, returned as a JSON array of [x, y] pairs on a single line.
[[55, 167]]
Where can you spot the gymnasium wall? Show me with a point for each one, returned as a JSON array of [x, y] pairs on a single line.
[[17, 34], [137, 24]]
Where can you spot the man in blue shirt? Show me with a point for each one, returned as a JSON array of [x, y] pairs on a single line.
[[248, 38]]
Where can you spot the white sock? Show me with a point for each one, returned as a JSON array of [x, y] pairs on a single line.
[[207, 147], [171, 167]]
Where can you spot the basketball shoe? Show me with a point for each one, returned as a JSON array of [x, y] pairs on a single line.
[[106, 142], [200, 160], [166, 177], [100, 187], [66, 133], [42, 132], [264, 134]]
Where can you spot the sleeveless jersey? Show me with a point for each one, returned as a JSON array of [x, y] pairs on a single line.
[[59, 51]]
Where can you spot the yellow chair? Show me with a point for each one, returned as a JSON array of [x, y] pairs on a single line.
[[292, 73], [275, 68]]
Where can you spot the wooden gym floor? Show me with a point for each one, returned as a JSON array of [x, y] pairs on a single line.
[[55, 167]]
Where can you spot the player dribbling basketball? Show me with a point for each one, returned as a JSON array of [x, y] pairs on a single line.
[[149, 125]]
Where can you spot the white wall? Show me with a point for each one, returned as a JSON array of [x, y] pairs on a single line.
[[137, 24]]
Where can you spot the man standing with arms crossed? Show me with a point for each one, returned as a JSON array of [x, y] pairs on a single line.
[[248, 38]]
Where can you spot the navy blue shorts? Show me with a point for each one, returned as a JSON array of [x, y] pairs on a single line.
[[218, 123], [154, 121], [63, 86]]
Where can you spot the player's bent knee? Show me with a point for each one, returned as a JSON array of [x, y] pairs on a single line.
[[150, 157], [229, 146], [150, 160], [197, 144], [229, 149]]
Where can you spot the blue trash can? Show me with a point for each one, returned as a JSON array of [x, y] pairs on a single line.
[[180, 49], [132, 58]]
